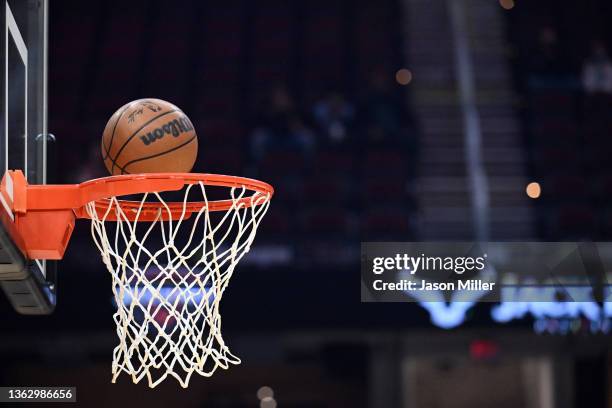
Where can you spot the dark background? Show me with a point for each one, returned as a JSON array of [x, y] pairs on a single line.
[[304, 95]]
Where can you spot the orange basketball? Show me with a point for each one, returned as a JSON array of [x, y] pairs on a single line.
[[149, 136]]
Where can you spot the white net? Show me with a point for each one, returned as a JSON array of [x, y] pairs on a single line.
[[168, 278]]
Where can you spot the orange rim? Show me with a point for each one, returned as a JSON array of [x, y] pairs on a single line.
[[40, 218], [159, 182], [48, 197]]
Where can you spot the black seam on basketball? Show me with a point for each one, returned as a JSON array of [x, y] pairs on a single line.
[[113, 134], [158, 154], [107, 149], [134, 134]]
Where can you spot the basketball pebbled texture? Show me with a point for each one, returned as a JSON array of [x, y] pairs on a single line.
[[149, 136]]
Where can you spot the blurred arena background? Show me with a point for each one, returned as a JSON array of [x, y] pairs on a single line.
[[375, 121]]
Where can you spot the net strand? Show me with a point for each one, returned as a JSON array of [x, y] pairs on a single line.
[[167, 319]]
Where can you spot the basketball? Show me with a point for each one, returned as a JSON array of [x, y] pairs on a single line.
[[149, 136]]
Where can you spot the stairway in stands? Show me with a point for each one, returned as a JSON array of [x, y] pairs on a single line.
[[444, 194], [441, 172], [511, 214]]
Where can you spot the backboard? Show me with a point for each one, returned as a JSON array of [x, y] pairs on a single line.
[[29, 284]]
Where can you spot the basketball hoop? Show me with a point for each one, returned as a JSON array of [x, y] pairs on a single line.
[[170, 261]]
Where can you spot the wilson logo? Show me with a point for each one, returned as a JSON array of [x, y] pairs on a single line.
[[174, 127]]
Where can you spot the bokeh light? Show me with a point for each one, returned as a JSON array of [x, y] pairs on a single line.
[[265, 392], [403, 76], [533, 190], [268, 402]]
